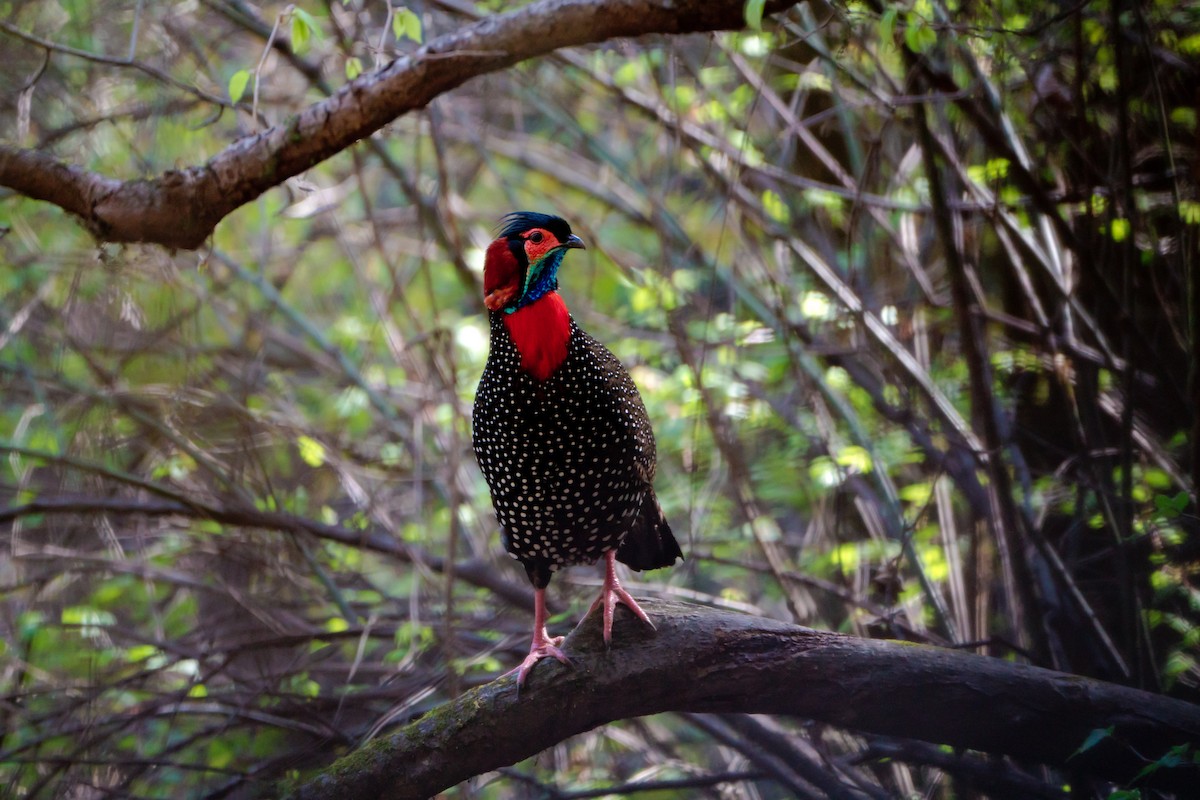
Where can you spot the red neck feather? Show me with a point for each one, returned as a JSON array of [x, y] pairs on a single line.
[[540, 331], [501, 275]]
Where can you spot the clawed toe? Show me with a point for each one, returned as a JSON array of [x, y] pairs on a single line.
[[537, 653], [614, 593], [543, 646]]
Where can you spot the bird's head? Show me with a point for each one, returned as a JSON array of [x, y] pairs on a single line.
[[521, 265]]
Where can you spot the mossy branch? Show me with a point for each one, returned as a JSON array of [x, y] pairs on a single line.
[[704, 660]]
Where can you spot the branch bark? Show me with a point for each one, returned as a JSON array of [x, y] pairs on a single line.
[[180, 208], [705, 660]]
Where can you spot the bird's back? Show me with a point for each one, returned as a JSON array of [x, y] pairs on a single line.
[[570, 460]]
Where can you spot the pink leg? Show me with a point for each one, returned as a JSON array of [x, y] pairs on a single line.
[[611, 594], [543, 644]]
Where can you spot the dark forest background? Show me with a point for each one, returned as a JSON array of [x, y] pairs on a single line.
[[909, 292]]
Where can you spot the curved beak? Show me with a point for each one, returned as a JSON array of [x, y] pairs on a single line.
[[574, 241]]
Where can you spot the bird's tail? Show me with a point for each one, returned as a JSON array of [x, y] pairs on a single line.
[[650, 544]]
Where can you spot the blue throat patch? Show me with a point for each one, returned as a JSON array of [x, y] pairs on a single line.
[[541, 279]]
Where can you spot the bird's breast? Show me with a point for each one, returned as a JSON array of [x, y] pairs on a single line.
[[565, 457], [541, 332]]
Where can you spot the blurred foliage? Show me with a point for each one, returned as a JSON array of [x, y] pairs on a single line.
[[908, 291]]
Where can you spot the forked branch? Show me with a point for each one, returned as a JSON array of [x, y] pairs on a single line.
[[181, 207]]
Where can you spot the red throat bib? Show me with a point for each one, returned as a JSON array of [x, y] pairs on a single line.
[[541, 331]]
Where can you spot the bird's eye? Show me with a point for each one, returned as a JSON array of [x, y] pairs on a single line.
[[536, 237]]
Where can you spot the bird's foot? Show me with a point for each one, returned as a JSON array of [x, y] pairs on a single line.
[[614, 593], [543, 646]]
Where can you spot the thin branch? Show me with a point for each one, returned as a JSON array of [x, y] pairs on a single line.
[[153, 72], [478, 572]]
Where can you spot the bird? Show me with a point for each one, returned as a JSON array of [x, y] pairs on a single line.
[[561, 434]]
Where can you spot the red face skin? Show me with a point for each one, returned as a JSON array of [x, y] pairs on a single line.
[[538, 242], [541, 329], [501, 272]]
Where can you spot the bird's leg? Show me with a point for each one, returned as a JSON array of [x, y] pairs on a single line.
[[611, 594], [543, 643]]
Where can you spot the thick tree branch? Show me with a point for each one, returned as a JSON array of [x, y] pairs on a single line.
[[181, 207], [705, 660]]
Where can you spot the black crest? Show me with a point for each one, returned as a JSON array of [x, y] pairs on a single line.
[[519, 221]]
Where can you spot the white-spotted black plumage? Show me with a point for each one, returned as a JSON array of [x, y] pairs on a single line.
[[570, 460], [561, 434]]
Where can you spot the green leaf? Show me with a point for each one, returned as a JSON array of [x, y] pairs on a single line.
[[918, 36], [1171, 506], [1190, 45], [414, 27], [1119, 229], [86, 616], [996, 169], [220, 753], [854, 458], [1189, 212], [887, 27], [754, 13], [354, 68], [1094, 738], [237, 84], [406, 24], [304, 29], [1149, 769], [775, 207], [140, 652], [28, 623], [918, 494], [300, 36], [816, 305], [177, 467], [311, 451]]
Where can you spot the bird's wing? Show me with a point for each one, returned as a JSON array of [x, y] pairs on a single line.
[[623, 392]]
